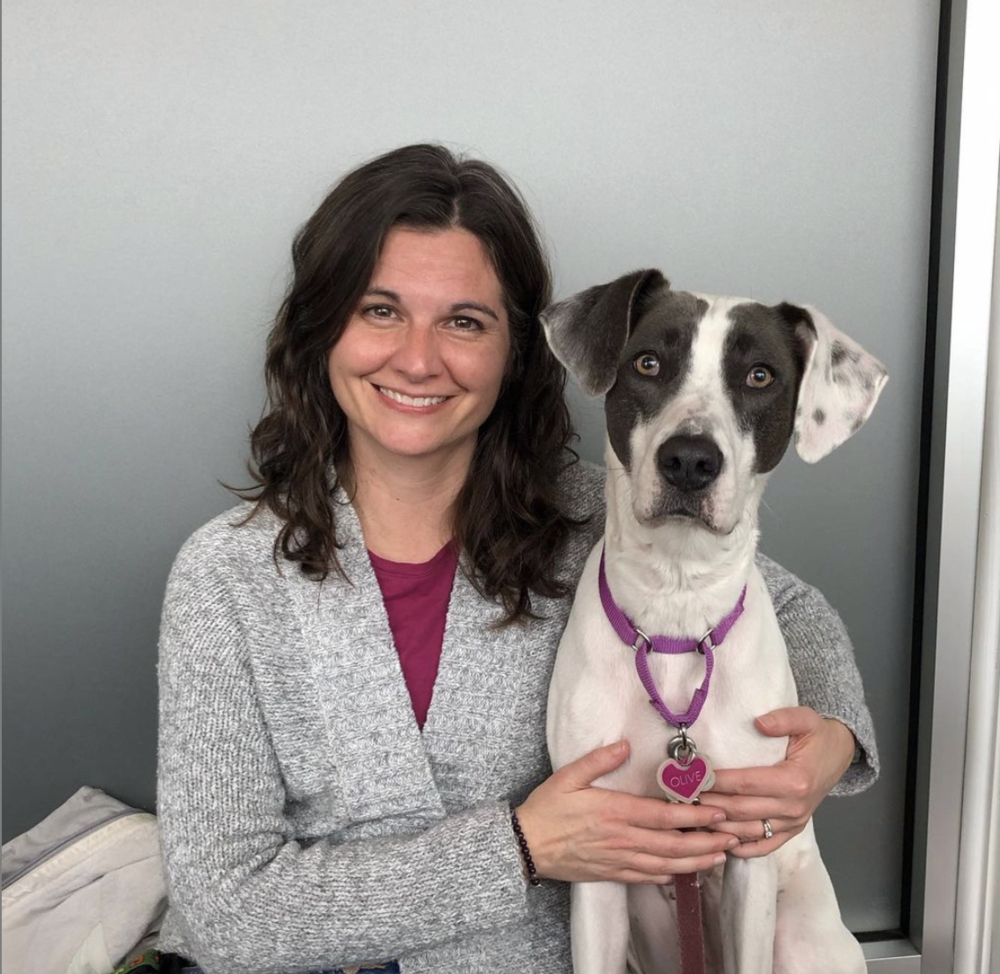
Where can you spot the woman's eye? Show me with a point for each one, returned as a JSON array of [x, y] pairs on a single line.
[[379, 311], [646, 363], [760, 377], [466, 324]]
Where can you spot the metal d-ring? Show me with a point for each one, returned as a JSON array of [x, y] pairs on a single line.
[[682, 748], [640, 638], [707, 638]]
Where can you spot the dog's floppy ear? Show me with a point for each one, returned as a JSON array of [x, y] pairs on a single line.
[[588, 331], [841, 383]]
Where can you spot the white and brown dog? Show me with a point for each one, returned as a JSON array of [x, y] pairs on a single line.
[[703, 396]]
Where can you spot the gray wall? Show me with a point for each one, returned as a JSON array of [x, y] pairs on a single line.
[[158, 158]]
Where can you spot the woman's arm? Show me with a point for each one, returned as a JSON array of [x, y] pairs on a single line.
[[831, 741], [249, 897], [826, 674], [246, 893]]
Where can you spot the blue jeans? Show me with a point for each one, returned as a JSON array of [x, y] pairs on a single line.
[[390, 968]]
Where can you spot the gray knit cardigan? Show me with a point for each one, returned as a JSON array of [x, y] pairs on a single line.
[[306, 821]]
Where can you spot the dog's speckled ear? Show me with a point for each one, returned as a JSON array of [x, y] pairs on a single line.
[[840, 385], [588, 331]]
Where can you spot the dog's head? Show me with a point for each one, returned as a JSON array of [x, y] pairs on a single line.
[[704, 393]]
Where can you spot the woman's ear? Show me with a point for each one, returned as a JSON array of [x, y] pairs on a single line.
[[588, 331]]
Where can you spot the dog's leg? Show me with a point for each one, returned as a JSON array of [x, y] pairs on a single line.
[[748, 906], [811, 937], [599, 928]]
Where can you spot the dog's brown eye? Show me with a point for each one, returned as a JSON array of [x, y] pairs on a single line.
[[760, 377], [647, 364]]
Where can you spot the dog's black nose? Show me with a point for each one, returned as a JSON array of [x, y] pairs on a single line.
[[689, 462]]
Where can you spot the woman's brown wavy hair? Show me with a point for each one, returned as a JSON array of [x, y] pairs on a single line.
[[509, 518]]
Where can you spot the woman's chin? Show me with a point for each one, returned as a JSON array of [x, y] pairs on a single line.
[[403, 449]]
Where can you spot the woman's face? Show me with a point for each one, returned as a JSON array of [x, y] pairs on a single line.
[[419, 366]]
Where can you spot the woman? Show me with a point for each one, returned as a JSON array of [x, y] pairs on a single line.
[[418, 526]]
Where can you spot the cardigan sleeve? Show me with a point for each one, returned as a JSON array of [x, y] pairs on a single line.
[[822, 661], [246, 896]]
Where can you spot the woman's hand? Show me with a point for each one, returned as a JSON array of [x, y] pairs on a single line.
[[820, 750], [580, 833]]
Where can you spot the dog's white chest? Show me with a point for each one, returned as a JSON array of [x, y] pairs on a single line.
[[596, 696]]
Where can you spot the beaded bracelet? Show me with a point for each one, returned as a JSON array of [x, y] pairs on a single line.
[[522, 843]]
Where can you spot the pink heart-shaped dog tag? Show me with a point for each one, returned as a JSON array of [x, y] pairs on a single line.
[[685, 782]]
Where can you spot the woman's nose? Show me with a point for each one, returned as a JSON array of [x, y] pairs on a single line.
[[418, 356]]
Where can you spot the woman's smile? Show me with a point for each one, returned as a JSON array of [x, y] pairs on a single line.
[[411, 403]]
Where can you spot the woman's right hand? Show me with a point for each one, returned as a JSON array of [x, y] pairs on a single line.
[[581, 833]]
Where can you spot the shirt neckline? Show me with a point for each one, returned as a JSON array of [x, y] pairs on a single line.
[[413, 569]]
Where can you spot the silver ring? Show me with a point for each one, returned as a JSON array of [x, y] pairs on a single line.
[[682, 748], [768, 831], [640, 638]]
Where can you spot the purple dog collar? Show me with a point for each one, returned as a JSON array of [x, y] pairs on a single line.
[[643, 645]]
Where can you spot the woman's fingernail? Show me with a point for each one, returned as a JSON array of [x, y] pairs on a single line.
[[617, 747], [732, 843], [766, 721], [719, 859], [719, 817]]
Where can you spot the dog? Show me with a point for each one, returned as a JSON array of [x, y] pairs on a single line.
[[703, 395]]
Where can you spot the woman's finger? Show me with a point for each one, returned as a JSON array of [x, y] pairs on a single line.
[[780, 779], [591, 766], [657, 869], [742, 809], [764, 847], [680, 845], [753, 831], [655, 813], [789, 722]]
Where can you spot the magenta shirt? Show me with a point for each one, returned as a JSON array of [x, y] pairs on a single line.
[[416, 601]]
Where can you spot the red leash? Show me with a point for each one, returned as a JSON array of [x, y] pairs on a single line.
[[689, 930]]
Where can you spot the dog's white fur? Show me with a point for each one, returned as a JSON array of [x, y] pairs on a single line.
[[679, 577]]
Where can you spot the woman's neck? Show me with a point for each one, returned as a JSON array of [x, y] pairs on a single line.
[[405, 504]]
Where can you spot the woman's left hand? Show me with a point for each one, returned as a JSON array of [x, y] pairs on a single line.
[[819, 751]]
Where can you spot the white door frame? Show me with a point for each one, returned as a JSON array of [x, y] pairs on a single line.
[[952, 926]]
